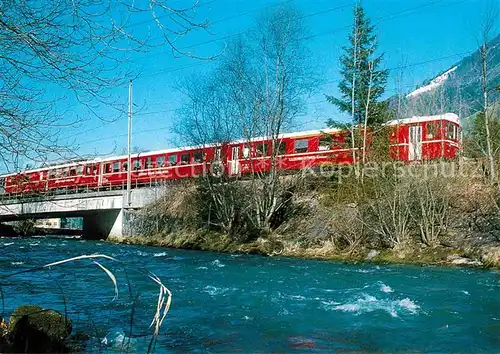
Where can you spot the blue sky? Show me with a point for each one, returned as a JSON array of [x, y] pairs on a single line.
[[428, 36]]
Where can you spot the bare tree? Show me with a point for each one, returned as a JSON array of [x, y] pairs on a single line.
[[389, 212], [488, 26], [60, 54], [367, 110], [286, 80], [257, 89], [430, 211], [348, 228], [207, 119], [355, 63]]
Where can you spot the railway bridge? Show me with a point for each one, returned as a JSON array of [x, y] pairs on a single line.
[[104, 213]]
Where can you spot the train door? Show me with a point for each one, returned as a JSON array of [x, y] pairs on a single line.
[[100, 171], [234, 163], [415, 143]]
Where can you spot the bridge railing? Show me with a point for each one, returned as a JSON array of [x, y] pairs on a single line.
[[30, 196]]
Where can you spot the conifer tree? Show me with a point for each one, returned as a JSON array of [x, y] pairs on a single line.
[[363, 81]]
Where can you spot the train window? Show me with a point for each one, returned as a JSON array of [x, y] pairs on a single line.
[[430, 130], [198, 157], [184, 159], [246, 152], [116, 166], [348, 141], [64, 172], [125, 166], [72, 171], [300, 146], [149, 162], [52, 173], [160, 161], [137, 165], [79, 170], [172, 160], [107, 168], [281, 150], [262, 149], [325, 143], [450, 131]]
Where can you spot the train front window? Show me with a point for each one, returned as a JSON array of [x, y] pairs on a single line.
[[450, 131], [116, 167], [430, 130], [300, 146], [137, 165]]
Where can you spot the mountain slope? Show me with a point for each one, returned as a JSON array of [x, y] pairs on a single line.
[[457, 89]]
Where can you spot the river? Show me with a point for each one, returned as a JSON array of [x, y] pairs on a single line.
[[247, 303]]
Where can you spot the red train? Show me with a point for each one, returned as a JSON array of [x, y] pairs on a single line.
[[411, 139]]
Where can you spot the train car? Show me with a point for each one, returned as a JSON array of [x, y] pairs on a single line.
[[411, 140], [425, 138], [77, 176]]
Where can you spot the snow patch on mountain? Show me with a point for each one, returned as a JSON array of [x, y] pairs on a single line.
[[436, 82]]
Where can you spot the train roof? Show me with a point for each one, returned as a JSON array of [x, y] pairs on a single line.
[[452, 117]]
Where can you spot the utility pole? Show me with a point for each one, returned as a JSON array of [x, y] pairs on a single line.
[[129, 142]]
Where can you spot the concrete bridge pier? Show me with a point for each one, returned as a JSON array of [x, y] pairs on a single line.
[[103, 212], [103, 224]]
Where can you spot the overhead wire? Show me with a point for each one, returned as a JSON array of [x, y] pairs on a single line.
[[386, 17]]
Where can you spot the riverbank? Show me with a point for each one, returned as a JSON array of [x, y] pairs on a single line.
[[452, 221], [487, 256]]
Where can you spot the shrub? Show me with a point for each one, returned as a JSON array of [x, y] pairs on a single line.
[[430, 210]]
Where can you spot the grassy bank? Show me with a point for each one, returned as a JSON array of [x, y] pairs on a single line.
[[483, 257], [452, 220]]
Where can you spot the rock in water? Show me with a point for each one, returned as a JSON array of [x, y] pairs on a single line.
[[35, 330]]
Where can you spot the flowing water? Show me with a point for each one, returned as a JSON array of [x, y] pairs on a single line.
[[240, 303]]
